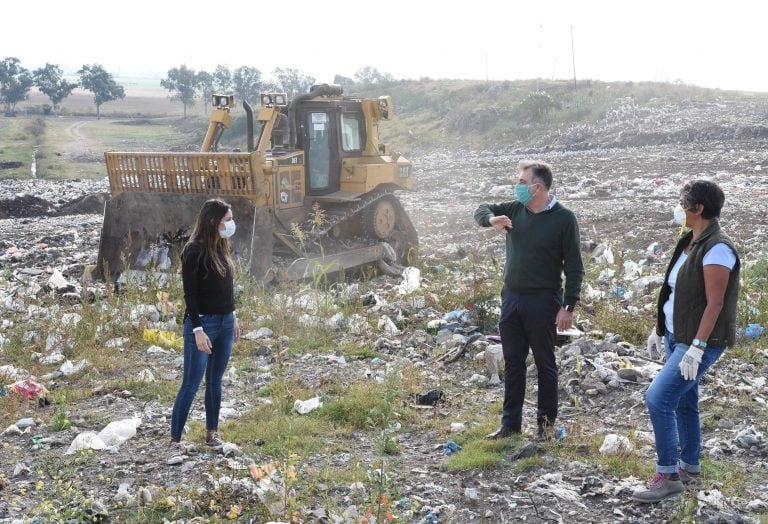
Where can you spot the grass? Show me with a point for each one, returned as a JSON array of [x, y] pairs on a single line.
[[16, 145], [362, 406], [479, 453]]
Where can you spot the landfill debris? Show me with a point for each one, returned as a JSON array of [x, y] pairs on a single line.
[[430, 398], [302, 407], [451, 447], [615, 445], [28, 388], [112, 436], [162, 338]]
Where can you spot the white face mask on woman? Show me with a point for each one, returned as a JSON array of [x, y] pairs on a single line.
[[229, 229], [679, 215]]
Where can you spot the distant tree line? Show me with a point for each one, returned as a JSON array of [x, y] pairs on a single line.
[[16, 81], [187, 85], [184, 83]]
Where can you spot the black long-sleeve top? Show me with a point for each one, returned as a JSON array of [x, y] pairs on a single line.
[[205, 292]]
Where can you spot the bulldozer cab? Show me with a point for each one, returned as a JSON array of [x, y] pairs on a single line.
[[329, 134]]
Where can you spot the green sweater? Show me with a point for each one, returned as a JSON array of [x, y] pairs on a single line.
[[540, 248]]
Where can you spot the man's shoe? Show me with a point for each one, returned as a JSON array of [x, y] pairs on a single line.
[[502, 432], [689, 480], [660, 487], [545, 433]]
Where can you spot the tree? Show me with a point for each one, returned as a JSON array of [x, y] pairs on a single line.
[[247, 83], [97, 80], [222, 80], [205, 83], [292, 81], [183, 83], [371, 75], [50, 82], [15, 82]]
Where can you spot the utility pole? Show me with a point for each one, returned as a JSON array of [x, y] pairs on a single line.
[[573, 58], [486, 67]]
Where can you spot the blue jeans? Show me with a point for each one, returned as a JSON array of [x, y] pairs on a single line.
[[221, 330], [673, 404]]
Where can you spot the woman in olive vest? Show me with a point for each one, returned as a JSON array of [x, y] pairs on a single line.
[[697, 317]]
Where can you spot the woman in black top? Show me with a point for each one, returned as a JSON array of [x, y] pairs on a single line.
[[210, 325]]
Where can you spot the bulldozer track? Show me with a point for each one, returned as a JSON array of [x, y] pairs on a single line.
[[351, 211]]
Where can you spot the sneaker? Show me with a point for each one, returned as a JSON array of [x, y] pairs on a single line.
[[660, 487], [213, 439], [174, 454], [689, 480]]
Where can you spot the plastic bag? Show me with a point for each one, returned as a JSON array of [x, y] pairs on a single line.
[[28, 388], [163, 338]]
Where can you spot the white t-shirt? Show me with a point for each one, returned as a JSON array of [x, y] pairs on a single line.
[[718, 255]]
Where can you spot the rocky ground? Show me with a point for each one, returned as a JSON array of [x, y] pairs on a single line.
[[623, 196]]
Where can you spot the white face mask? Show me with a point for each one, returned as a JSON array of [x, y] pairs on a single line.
[[229, 229], [679, 215]]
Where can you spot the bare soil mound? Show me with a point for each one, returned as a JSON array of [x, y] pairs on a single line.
[[24, 205]]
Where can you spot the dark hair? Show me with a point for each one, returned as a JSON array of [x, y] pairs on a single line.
[[706, 193], [541, 172], [206, 234]]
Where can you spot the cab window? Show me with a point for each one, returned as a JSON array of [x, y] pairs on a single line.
[[351, 134]]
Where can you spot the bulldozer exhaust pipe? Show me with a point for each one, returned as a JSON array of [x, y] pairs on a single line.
[[249, 125]]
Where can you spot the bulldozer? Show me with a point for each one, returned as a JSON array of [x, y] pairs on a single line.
[[313, 192]]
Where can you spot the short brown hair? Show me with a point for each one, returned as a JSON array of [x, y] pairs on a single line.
[[541, 171]]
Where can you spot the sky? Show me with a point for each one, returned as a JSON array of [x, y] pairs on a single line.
[[710, 44]]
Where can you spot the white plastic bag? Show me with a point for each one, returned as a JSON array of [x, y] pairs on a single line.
[[303, 407], [117, 432]]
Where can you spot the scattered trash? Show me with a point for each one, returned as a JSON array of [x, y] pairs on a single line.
[[113, 434], [163, 338], [411, 281], [451, 447], [527, 450], [471, 493], [302, 407], [494, 358], [615, 444], [754, 331], [457, 315], [458, 427], [28, 388], [431, 398]]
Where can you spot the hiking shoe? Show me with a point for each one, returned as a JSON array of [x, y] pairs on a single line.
[[174, 454], [660, 487], [689, 480], [213, 439]]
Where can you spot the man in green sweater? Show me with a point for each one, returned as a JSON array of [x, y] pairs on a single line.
[[542, 238]]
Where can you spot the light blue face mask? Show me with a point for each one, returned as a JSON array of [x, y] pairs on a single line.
[[229, 229], [523, 194]]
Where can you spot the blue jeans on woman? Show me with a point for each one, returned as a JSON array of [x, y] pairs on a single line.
[[673, 404], [221, 330]]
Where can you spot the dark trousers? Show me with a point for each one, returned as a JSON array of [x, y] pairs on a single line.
[[528, 321]]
